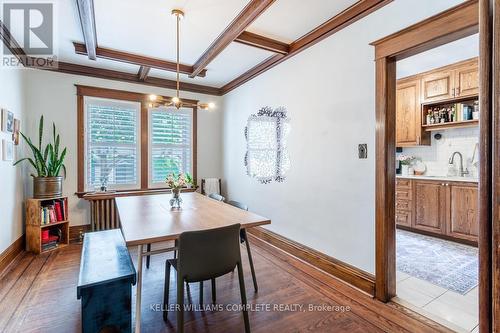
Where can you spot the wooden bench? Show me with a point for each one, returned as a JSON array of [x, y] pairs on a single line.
[[105, 283]]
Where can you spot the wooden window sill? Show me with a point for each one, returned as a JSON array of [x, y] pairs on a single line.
[[124, 193]]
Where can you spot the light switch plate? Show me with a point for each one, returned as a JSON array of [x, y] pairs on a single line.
[[363, 150]]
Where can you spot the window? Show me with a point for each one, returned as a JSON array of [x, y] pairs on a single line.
[[133, 147], [170, 143], [112, 131]]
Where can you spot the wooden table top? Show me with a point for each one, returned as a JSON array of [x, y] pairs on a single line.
[[149, 219]]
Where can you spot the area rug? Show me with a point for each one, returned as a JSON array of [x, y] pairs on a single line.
[[447, 264]]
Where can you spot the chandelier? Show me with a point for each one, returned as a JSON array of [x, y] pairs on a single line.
[[177, 102]]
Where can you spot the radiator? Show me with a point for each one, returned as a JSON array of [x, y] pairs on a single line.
[[103, 214]]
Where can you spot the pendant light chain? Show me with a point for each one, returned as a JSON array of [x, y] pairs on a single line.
[[178, 38]]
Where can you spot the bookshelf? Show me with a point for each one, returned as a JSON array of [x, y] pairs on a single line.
[[47, 224]]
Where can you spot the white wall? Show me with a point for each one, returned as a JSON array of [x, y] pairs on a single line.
[[54, 96], [11, 178], [436, 156], [327, 201]]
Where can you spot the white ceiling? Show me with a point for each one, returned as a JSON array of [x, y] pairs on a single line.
[[288, 20], [147, 28], [447, 54]]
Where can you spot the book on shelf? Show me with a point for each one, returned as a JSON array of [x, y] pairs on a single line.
[[53, 211]]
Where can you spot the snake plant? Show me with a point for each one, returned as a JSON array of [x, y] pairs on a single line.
[[46, 161]]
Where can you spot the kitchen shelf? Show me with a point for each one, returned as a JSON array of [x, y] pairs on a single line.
[[454, 124]]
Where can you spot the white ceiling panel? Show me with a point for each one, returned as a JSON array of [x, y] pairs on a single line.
[[287, 20], [232, 62], [148, 28]]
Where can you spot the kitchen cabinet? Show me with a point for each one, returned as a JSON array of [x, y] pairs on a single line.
[[430, 206], [463, 221], [459, 80], [467, 79], [408, 119], [442, 208], [438, 85], [404, 202]]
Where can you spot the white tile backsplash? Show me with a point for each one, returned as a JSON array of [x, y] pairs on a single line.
[[436, 155]]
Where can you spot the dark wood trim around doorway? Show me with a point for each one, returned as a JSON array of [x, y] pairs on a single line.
[[455, 23], [496, 170]]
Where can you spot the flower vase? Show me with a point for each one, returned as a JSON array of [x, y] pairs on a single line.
[[404, 169], [176, 200]]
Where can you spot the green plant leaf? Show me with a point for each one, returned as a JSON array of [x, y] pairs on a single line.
[[40, 133]]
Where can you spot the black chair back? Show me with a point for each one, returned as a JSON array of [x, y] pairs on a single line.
[[209, 253]]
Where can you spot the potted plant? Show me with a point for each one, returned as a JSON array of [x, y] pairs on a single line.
[[405, 161], [48, 162]]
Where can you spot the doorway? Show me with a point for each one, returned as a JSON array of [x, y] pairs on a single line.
[[451, 25]]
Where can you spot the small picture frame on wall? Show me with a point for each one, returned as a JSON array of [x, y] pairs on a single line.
[[7, 121], [7, 150], [15, 134]]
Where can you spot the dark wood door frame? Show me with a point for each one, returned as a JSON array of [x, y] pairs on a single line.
[[458, 22]]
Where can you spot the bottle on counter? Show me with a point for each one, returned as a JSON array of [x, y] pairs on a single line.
[[475, 112]]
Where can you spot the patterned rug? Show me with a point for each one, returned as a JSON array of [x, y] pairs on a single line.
[[447, 264]]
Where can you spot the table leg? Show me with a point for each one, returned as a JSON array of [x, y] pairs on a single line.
[[138, 290]]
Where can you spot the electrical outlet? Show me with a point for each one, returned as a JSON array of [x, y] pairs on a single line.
[[363, 150]]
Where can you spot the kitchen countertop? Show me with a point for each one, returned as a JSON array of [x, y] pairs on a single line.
[[440, 178]]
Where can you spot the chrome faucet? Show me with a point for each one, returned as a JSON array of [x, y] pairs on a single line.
[[462, 173]]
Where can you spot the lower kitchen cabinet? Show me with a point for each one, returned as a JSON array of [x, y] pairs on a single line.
[[430, 206], [438, 207], [463, 221]]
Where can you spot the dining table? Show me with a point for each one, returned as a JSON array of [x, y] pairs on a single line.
[[149, 219]]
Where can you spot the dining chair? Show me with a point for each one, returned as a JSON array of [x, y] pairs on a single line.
[[243, 239], [216, 196], [205, 255]]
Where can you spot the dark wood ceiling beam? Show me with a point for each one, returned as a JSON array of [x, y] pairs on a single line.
[[336, 23], [136, 59], [252, 10], [261, 42], [12, 44], [143, 72], [87, 20], [68, 68]]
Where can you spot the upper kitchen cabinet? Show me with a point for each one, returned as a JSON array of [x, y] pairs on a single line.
[[467, 79], [451, 82], [437, 86], [408, 115]]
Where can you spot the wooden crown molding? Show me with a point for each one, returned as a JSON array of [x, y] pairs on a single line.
[[261, 42], [87, 20], [336, 23], [136, 59], [421, 36], [251, 11]]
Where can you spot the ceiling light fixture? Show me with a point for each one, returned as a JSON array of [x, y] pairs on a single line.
[[177, 102]]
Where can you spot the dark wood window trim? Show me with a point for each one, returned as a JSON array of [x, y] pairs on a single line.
[[83, 91]]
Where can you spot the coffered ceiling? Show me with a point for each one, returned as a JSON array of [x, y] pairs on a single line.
[[129, 34]]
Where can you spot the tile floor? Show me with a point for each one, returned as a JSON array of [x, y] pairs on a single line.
[[456, 311]]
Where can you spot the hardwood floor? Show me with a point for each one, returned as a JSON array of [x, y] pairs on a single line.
[[38, 294]]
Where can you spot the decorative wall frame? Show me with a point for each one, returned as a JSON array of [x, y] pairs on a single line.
[[267, 156], [15, 133], [7, 121], [8, 150]]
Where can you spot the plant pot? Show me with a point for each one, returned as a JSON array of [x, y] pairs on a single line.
[[47, 187], [404, 169]]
